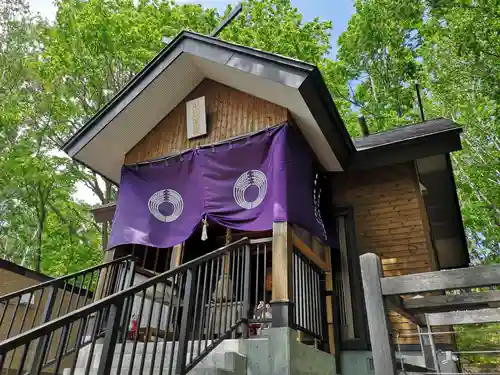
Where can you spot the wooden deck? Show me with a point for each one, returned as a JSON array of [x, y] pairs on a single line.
[[394, 293]]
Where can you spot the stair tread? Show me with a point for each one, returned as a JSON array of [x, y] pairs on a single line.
[[197, 371], [218, 363]]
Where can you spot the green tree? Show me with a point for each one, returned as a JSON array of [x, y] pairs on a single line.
[[33, 180], [378, 50], [451, 47], [461, 50], [275, 26], [95, 48]]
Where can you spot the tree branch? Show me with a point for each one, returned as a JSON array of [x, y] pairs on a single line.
[[70, 226]]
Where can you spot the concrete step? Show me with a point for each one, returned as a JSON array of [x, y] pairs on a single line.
[[196, 371], [141, 346], [147, 351], [140, 351], [214, 363]]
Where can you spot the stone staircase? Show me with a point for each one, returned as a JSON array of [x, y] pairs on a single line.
[[217, 362], [275, 352]]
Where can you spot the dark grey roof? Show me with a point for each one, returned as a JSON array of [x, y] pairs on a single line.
[[405, 133], [23, 271], [406, 143]]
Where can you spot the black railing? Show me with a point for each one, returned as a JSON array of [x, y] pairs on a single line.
[[191, 309], [35, 305], [260, 284], [151, 261], [309, 297]]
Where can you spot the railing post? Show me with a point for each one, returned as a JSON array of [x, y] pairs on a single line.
[[186, 320], [378, 322], [428, 330], [128, 282], [324, 316], [282, 289], [425, 345], [112, 330], [41, 345], [246, 290]]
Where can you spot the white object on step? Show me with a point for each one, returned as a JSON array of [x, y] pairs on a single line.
[[221, 290], [204, 234]]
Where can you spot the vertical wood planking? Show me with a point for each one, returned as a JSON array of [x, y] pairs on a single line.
[[176, 259], [388, 222], [282, 262], [229, 113]]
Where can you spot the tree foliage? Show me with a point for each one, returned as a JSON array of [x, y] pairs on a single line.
[[451, 47], [35, 186], [55, 76]]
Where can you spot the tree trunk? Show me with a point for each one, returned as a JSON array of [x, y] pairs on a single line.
[[104, 230], [39, 237], [374, 90], [104, 235]]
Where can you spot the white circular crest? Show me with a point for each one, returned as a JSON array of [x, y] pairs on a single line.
[[250, 178], [166, 196]]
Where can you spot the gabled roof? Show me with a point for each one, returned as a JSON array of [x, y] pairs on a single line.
[[104, 140]]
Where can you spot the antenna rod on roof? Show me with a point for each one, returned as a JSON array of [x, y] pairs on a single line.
[[237, 9], [419, 100]]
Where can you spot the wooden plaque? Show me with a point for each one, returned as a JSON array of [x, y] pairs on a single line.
[[196, 118]]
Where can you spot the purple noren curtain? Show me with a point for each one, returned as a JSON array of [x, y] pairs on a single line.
[[245, 184]]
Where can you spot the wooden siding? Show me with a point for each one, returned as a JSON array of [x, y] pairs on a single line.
[[389, 221], [229, 113]]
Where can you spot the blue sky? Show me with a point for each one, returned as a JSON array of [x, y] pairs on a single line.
[[337, 11]]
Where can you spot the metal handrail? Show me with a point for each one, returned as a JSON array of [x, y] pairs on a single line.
[[57, 323], [59, 280], [114, 310], [31, 307]]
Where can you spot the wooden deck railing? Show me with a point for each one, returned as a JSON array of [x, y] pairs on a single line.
[[385, 293]]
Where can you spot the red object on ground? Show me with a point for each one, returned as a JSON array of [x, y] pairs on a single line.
[[253, 328], [133, 329]]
